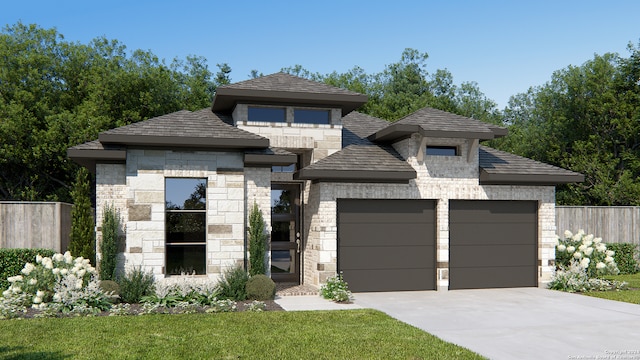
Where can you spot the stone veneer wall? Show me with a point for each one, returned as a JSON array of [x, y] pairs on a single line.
[[138, 191], [459, 183]]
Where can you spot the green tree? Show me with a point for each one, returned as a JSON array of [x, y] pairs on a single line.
[[111, 221], [82, 238], [586, 118], [57, 94], [257, 241]]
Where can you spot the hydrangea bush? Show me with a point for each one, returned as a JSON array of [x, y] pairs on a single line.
[[60, 283], [336, 289], [581, 260]]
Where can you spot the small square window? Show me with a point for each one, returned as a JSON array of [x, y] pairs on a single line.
[[442, 150], [307, 116], [267, 114]]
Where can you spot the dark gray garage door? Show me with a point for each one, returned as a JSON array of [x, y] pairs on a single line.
[[492, 244], [387, 245]]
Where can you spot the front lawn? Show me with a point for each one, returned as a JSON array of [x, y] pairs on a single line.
[[631, 296], [347, 334]]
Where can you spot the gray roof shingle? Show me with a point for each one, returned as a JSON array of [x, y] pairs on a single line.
[[184, 128], [356, 127], [281, 88], [437, 123], [499, 167]]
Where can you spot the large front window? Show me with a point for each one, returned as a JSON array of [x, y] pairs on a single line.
[[185, 225]]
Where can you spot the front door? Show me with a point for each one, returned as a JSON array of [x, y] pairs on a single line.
[[285, 233]]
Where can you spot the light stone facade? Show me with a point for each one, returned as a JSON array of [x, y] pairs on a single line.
[[137, 190], [439, 178]]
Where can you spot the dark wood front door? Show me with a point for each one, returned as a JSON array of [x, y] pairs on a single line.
[[285, 233]]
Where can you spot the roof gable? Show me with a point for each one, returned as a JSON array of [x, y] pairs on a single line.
[[282, 88], [431, 122]]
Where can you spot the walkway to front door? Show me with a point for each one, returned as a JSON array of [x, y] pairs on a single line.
[[285, 233]]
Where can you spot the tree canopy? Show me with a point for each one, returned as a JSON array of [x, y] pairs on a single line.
[[586, 119], [55, 94]]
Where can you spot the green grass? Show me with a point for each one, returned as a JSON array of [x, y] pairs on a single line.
[[347, 334], [630, 296]]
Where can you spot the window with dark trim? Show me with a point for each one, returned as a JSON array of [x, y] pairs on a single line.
[[266, 114], [185, 226], [310, 116], [442, 150]]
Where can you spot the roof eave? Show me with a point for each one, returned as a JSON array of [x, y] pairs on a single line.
[[396, 132], [180, 141], [89, 157], [356, 175], [529, 179], [270, 159]]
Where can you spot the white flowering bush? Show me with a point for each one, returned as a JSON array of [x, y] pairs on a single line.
[[589, 251], [580, 260], [336, 289], [60, 283]]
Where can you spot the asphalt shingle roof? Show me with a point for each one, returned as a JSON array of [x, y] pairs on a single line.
[[288, 83], [437, 123], [356, 127], [498, 166], [203, 124]]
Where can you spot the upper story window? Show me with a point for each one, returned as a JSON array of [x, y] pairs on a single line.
[[442, 150], [308, 116], [267, 114]]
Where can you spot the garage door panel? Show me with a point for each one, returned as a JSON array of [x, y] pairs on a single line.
[[506, 211], [386, 257], [494, 233], [387, 245], [390, 280], [492, 277], [492, 244], [493, 255], [386, 234]]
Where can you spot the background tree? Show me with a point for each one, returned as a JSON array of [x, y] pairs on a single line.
[[82, 237], [587, 119]]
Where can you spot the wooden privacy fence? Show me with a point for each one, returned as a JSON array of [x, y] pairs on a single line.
[[614, 224], [44, 225]]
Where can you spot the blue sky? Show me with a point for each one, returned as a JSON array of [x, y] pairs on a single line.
[[504, 46]]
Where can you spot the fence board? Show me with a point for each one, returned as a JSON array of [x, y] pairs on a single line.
[[35, 225], [614, 224]]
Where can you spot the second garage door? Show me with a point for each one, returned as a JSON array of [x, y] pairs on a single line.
[[387, 245], [492, 244]]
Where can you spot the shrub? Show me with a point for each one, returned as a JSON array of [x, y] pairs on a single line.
[[13, 260], [109, 245], [336, 289], [257, 241], [233, 284], [135, 284], [574, 278], [260, 287], [110, 286], [626, 257], [255, 306], [590, 252], [55, 284], [82, 238]]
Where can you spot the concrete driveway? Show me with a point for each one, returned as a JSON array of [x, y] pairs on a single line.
[[520, 323]]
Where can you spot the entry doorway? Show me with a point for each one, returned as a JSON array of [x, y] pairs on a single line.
[[285, 233]]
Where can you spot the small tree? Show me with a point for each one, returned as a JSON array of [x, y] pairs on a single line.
[[82, 238], [109, 245], [257, 241]]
